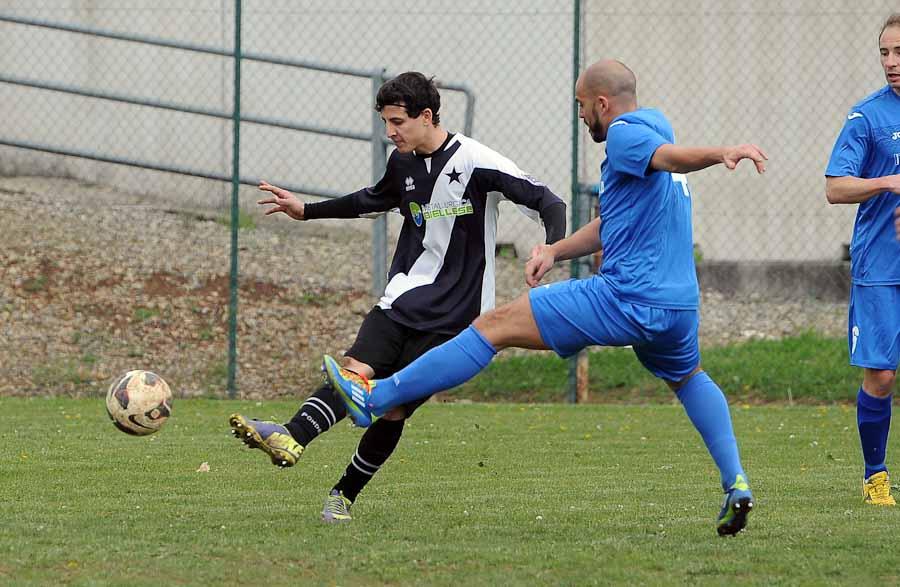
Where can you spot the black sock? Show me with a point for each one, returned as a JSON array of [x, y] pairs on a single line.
[[319, 412], [375, 446]]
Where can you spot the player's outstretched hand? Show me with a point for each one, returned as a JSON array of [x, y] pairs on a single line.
[[541, 261], [733, 156], [284, 201]]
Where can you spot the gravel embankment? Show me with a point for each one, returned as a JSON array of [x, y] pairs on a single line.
[[94, 282]]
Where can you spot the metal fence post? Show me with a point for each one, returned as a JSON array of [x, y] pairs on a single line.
[[235, 208], [379, 229], [576, 375]]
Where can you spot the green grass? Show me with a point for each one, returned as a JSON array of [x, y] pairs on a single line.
[[215, 375], [142, 314], [804, 368], [246, 221], [497, 494]]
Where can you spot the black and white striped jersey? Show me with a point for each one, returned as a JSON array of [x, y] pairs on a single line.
[[442, 274]]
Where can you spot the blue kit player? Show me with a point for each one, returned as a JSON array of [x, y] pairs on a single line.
[[864, 169], [646, 293]]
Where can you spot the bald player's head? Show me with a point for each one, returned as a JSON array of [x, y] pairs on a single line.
[[604, 90], [609, 78]]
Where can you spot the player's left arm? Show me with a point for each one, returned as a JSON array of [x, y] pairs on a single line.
[[502, 175], [679, 159]]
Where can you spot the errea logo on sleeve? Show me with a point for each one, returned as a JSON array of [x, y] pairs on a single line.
[[410, 185]]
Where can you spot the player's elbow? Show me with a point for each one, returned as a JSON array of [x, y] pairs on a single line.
[[832, 193], [663, 160]]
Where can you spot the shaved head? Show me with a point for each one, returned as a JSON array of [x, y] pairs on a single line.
[[603, 91], [608, 78]]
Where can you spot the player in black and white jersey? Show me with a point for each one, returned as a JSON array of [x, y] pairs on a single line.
[[447, 187]]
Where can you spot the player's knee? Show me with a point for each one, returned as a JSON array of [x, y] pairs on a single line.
[[489, 320], [880, 383], [504, 315], [677, 385], [497, 326]]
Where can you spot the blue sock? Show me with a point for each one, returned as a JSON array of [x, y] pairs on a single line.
[[706, 407], [445, 366], [873, 416]]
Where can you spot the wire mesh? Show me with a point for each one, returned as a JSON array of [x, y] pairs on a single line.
[[780, 74]]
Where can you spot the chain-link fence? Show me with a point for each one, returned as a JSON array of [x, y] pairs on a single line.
[[779, 74], [782, 75]]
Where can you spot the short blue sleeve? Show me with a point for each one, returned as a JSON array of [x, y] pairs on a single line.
[[630, 146], [850, 148]]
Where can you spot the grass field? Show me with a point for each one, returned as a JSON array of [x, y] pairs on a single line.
[[497, 494]]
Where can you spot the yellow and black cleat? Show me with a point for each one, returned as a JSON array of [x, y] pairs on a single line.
[[269, 437]]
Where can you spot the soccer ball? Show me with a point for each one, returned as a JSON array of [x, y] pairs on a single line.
[[139, 403]]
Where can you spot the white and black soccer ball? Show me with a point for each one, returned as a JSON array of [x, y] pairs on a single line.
[[139, 402]]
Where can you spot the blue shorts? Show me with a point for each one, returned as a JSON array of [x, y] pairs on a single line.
[[873, 329], [578, 313]]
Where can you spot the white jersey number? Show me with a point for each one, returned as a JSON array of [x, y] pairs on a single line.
[[682, 179]]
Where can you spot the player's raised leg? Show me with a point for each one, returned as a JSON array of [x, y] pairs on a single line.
[[285, 443], [441, 368], [323, 409], [319, 413]]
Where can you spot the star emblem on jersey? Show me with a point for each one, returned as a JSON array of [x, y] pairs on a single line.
[[454, 176]]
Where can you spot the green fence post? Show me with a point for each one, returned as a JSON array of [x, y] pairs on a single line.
[[574, 264], [235, 208], [379, 228]]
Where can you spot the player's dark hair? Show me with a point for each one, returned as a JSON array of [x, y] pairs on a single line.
[[414, 92], [892, 20]]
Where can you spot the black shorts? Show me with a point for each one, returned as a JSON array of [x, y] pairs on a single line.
[[388, 346]]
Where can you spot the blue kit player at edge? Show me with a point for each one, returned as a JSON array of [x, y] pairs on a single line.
[[645, 296], [864, 169]]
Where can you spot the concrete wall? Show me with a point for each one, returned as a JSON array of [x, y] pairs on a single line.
[[782, 74]]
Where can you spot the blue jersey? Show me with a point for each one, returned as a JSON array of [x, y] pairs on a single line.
[[648, 249], [869, 146]]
